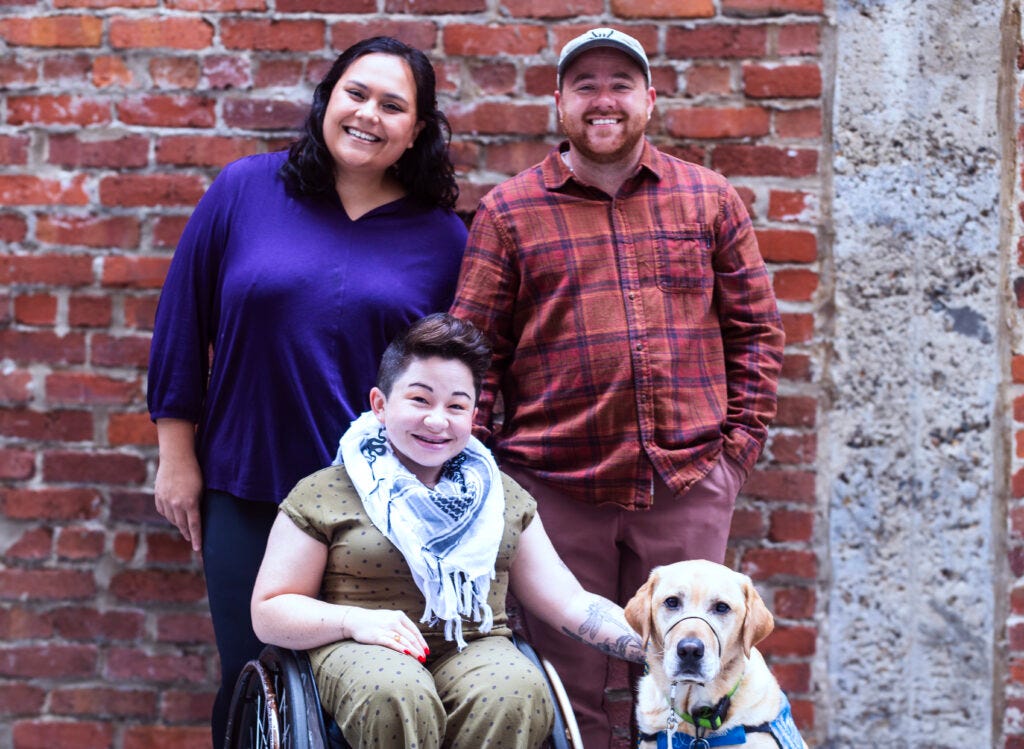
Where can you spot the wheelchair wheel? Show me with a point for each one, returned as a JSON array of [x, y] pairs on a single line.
[[275, 704], [298, 702], [252, 717], [565, 732], [564, 711]]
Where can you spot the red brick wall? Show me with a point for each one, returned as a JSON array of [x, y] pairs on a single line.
[[117, 114]]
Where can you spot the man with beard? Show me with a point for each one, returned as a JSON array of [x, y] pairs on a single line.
[[637, 344]]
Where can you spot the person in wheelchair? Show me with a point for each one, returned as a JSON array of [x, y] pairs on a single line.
[[415, 516]]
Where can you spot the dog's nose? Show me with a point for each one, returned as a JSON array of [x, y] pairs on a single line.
[[690, 651]]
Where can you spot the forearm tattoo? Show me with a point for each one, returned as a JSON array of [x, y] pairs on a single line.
[[605, 629]]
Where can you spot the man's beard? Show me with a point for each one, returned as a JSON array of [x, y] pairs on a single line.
[[632, 133]]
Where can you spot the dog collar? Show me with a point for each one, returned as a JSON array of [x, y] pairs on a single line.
[[709, 718]]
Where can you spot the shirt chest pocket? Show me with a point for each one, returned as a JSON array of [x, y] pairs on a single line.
[[683, 259]]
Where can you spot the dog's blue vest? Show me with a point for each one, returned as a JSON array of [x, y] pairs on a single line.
[[782, 729]]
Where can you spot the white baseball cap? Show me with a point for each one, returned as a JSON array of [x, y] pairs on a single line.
[[603, 38]]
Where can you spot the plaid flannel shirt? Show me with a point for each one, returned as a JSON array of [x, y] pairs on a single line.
[[632, 333]]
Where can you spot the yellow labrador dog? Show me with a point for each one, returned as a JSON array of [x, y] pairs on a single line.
[[707, 686]]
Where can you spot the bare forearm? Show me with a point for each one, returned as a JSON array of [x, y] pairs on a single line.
[[179, 479], [176, 438], [598, 622], [297, 621], [547, 588]]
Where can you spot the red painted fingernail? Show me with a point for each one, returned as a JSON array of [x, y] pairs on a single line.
[[426, 650], [407, 652], [422, 659]]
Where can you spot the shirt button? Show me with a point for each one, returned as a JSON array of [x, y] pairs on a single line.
[[639, 347], [632, 295]]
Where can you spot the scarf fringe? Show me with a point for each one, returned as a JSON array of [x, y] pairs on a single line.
[[459, 598]]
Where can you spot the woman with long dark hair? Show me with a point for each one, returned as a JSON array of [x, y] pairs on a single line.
[[292, 275]]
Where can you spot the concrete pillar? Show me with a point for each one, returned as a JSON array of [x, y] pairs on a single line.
[[913, 428]]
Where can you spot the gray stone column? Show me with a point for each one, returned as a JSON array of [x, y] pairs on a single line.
[[913, 429]]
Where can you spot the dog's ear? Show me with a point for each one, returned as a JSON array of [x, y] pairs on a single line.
[[758, 622], [638, 610]]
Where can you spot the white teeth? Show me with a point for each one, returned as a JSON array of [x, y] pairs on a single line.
[[604, 121], [361, 135]]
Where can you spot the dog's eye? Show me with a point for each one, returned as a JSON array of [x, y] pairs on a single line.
[[722, 608], [671, 602]]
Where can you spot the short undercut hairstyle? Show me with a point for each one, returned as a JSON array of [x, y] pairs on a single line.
[[439, 335]]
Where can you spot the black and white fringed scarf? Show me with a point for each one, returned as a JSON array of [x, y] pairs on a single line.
[[449, 535]]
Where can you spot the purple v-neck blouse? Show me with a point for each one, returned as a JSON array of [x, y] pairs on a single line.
[[295, 303]]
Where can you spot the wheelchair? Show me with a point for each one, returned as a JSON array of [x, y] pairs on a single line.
[[276, 705]]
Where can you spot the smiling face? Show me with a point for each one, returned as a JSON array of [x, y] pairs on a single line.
[[371, 119], [604, 106], [428, 414]]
